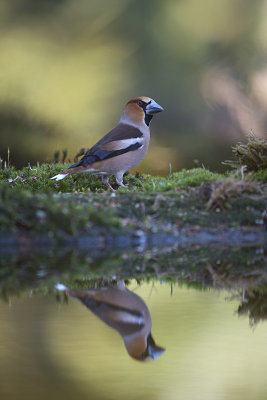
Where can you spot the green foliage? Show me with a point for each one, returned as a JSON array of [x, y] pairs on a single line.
[[253, 154], [259, 176], [79, 154], [56, 156], [56, 159], [255, 305]]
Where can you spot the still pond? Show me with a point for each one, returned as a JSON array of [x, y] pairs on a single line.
[[74, 346]]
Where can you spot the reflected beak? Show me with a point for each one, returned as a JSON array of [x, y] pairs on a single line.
[[155, 351], [153, 108]]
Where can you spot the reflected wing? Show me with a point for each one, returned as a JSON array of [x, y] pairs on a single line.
[[124, 320]]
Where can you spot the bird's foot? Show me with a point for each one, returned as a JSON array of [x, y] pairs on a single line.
[[119, 181], [122, 185], [111, 188], [106, 182]]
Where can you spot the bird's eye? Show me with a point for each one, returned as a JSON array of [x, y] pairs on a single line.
[[140, 103]]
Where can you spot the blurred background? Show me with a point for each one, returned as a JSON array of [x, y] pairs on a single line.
[[67, 67]]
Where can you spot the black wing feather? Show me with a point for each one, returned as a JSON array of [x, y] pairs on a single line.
[[104, 311], [100, 154], [96, 153]]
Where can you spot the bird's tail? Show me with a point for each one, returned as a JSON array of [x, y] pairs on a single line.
[[63, 288], [59, 176]]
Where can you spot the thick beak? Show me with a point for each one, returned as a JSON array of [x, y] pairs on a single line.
[[155, 351], [153, 108]]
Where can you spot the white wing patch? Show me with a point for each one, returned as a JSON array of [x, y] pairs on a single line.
[[122, 144], [128, 142], [127, 317]]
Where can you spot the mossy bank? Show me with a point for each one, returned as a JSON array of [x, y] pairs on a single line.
[[31, 203]]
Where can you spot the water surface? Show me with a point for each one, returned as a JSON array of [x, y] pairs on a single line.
[[62, 350]]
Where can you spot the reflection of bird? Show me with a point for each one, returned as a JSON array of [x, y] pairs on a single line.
[[123, 147], [125, 312]]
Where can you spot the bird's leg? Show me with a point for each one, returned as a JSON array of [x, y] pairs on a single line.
[[119, 179], [111, 188], [105, 179]]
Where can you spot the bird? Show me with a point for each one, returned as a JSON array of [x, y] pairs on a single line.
[[125, 312], [123, 147]]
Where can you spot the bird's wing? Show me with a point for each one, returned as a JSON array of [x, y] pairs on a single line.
[[120, 140], [124, 320]]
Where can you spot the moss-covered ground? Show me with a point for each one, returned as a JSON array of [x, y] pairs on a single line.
[[31, 203]]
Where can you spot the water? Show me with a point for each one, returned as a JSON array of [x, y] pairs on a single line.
[[209, 314], [51, 350]]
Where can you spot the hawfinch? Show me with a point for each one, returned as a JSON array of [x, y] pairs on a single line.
[[125, 312], [123, 147]]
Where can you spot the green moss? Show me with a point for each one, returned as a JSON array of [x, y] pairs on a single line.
[[37, 179], [183, 179], [259, 176], [195, 177], [23, 210], [30, 200]]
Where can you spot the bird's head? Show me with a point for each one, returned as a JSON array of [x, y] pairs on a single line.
[[142, 347], [141, 110]]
